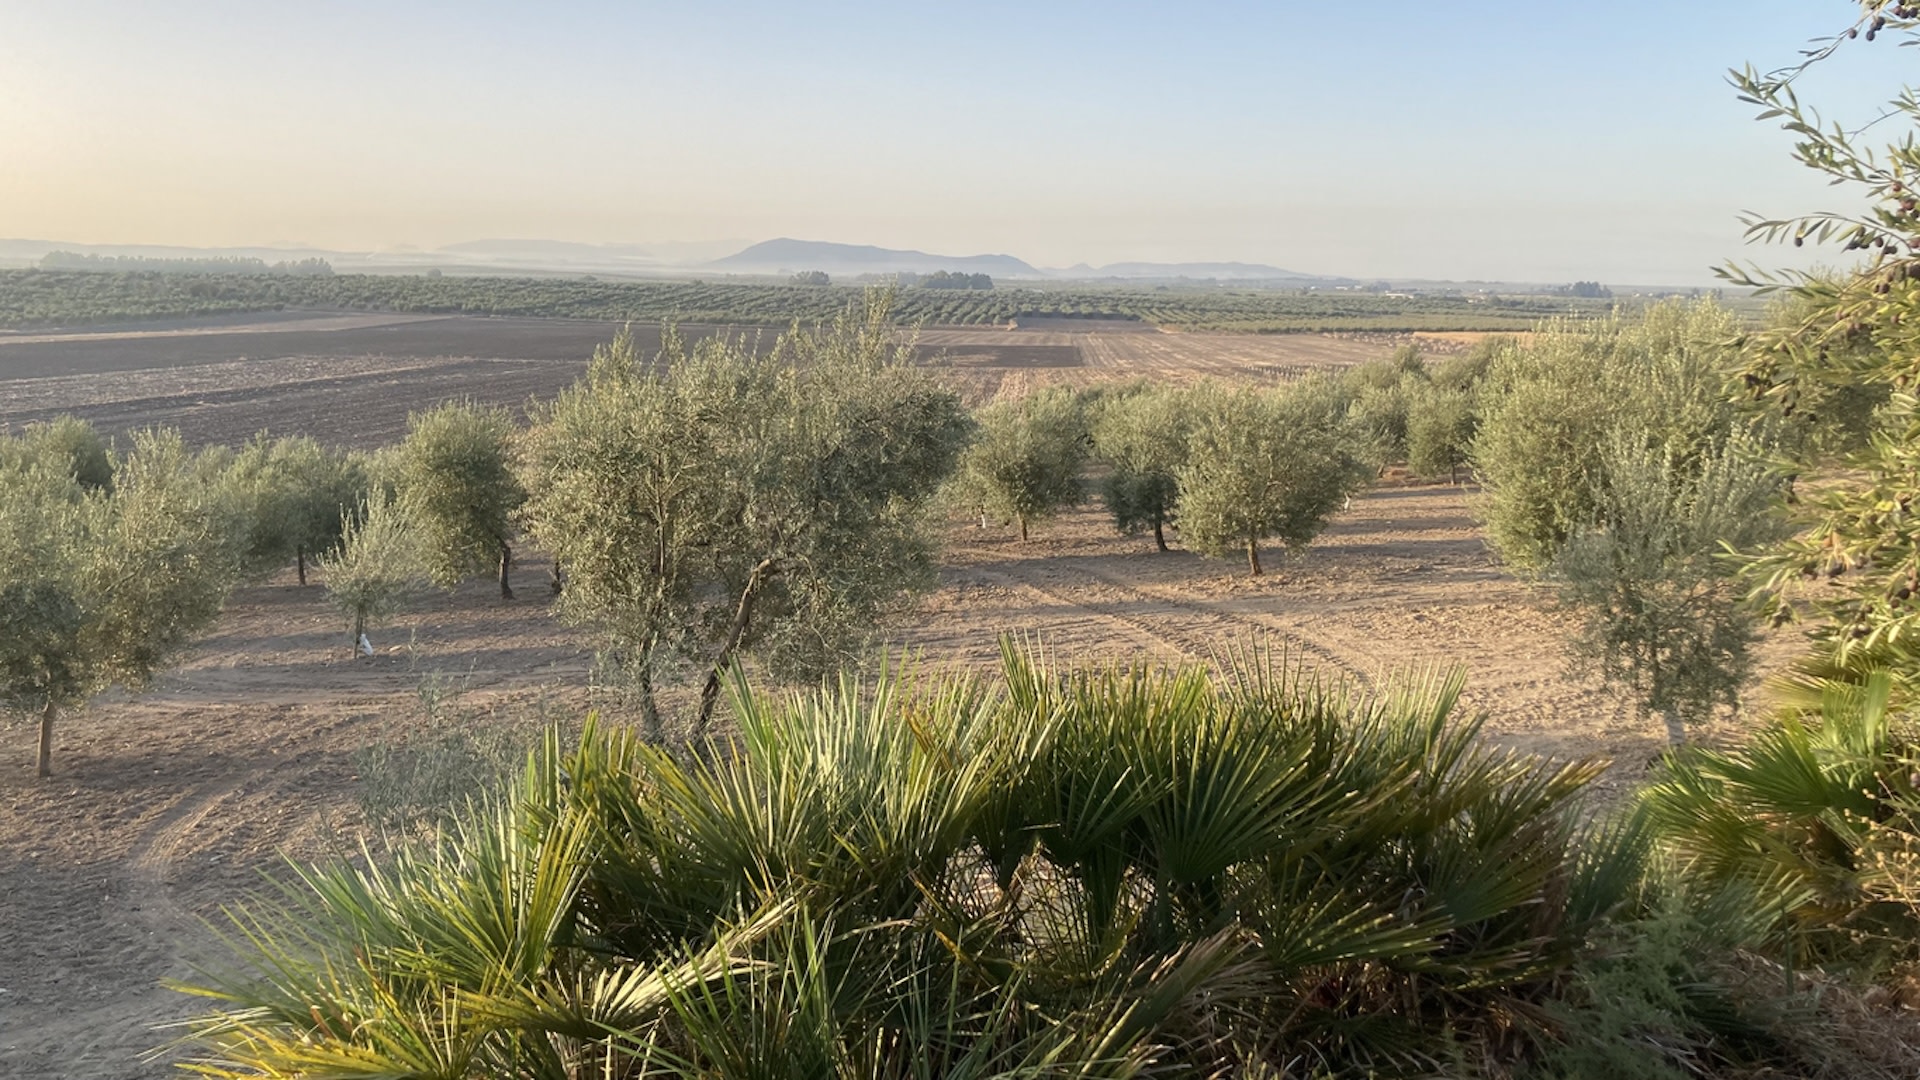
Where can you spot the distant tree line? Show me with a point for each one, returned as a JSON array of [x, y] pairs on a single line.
[[943, 279], [1585, 290], [213, 264], [811, 279]]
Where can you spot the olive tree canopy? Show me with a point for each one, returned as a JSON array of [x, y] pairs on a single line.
[[1026, 463], [455, 473], [1266, 464], [714, 503], [101, 587]]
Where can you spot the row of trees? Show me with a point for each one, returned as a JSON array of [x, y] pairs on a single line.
[[210, 264], [1228, 467], [707, 504], [114, 560], [39, 297], [954, 279], [703, 504]]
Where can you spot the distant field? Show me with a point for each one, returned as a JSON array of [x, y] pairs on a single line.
[[348, 381], [40, 299], [351, 380]]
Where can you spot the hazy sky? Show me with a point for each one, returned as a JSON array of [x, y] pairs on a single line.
[[1487, 139]]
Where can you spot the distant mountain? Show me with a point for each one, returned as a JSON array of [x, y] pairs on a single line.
[[34, 249], [1202, 271], [784, 256]]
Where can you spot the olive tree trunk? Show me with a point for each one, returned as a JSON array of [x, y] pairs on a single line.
[[300, 561], [1253, 556], [506, 563], [1160, 535], [1676, 728], [47, 715], [742, 615], [656, 732]]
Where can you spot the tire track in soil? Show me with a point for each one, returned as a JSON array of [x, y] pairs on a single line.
[[1245, 624], [105, 1035], [1167, 622]]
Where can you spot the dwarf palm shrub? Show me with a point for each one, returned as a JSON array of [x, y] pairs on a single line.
[[1815, 819], [1093, 872]]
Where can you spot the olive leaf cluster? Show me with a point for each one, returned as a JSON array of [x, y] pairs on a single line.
[[1855, 333]]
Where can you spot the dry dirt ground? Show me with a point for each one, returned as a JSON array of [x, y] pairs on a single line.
[[165, 807], [350, 380]]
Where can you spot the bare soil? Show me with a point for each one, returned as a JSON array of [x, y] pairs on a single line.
[[351, 379], [165, 807]]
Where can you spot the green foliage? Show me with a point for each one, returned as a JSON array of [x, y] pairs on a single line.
[[1650, 576], [1141, 435], [1467, 370], [943, 279], [1849, 338], [1266, 464], [69, 445], [102, 587], [1823, 418], [455, 474], [1382, 392], [292, 498], [1590, 290], [1441, 424], [1549, 408], [1812, 823], [1025, 465], [125, 264], [1101, 873], [717, 502], [377, 566]]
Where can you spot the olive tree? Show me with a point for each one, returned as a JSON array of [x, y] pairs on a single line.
[[713, 504], [1619, 467], [295, 497], [1142, 436], [1548, 409], [102, 588], [1381, 394], [376, 567], [1440, 430], [68, 445], [1025, 465], [1649, 577], [1265, 464], [455, 473]]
